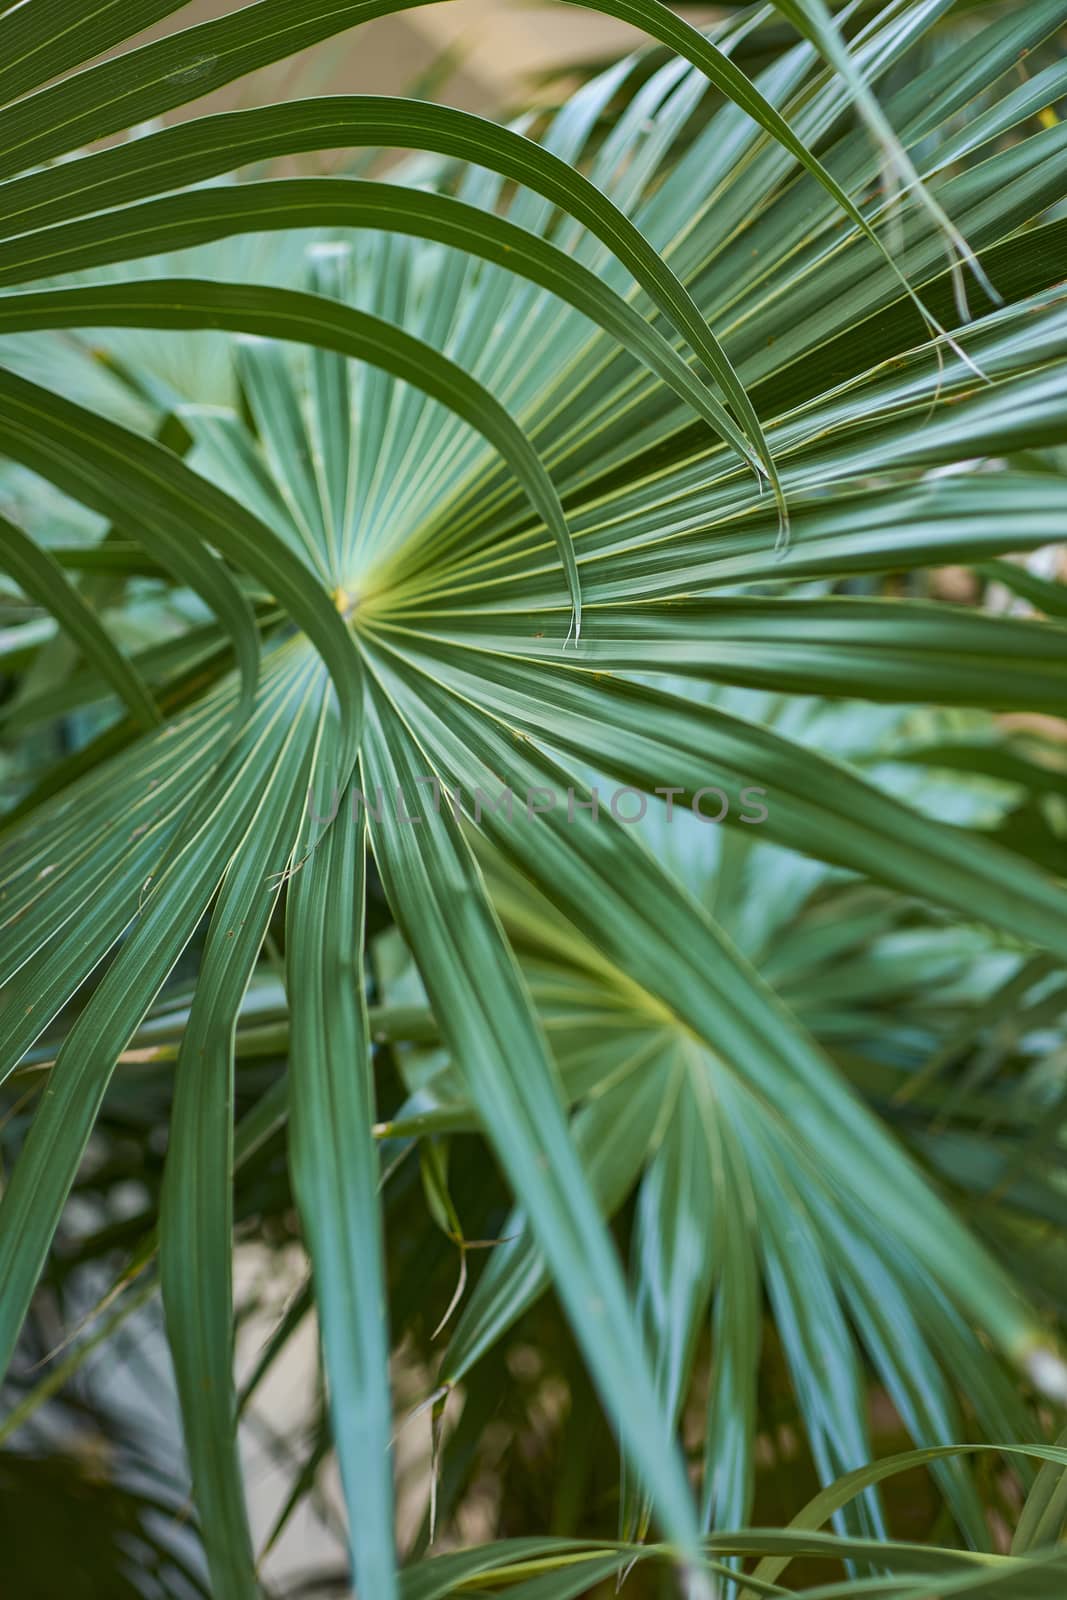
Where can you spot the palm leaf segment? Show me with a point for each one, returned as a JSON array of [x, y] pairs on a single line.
[[477, 361]]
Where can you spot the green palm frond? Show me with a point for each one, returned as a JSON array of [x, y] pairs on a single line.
[[547, 467]]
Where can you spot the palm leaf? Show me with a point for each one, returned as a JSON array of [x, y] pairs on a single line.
[[335, 1176]]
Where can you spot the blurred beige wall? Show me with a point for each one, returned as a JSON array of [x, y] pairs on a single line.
[[496, 49]]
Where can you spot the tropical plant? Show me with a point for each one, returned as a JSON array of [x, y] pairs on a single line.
[[486, 492]]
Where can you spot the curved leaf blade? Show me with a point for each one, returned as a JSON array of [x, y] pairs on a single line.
[[215, 145], [859, 648], [37, 571], [196, 1206], [182, 889], [684, 961], [181, 221], [290, 313], [102, 463], [335, 1173], [485, 1014], [40, 39]]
